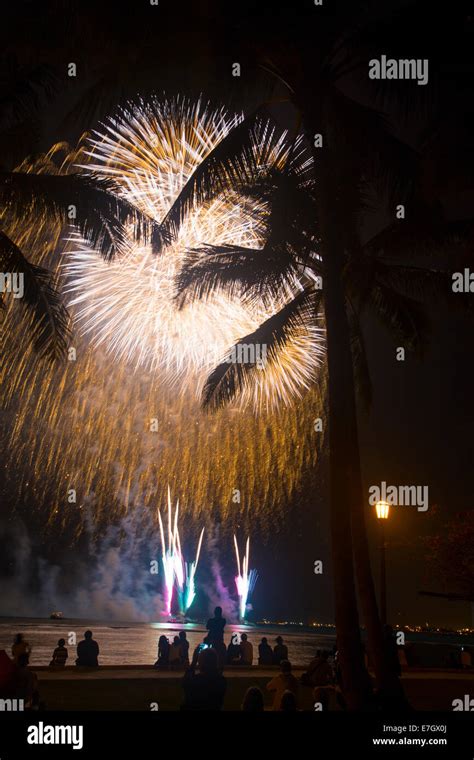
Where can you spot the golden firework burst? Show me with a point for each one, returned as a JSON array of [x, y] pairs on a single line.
[[122, 421]]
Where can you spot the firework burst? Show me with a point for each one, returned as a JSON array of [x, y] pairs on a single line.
[[128, 307], [87, 425]]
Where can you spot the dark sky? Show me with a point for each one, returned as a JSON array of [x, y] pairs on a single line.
[[419, 430]]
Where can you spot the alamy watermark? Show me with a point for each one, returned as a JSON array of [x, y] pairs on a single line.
[[466, 704], [408, 496], [403, 68], [248, 353], [12, 705], [463, 282], [12, 282], [242, 353], [48, 734]]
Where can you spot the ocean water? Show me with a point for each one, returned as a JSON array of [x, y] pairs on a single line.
[[125, 643], [137, 643]]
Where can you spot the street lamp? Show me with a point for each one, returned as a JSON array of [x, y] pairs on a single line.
[[382, 509]]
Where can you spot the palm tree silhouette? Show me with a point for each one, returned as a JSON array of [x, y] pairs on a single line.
[[90, 204], [295, 247], [314, 226], [97, 213]]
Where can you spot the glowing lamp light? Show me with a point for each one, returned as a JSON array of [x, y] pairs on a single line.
[[382, 509]]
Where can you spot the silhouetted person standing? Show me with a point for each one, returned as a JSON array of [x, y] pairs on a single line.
[[88, 651], [216, 626], [204, 690]]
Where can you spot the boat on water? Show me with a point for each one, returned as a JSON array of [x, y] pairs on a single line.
[[182, 620]]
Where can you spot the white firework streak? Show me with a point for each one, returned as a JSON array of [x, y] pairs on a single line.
[[176, 570], [191, 568], [169, 555], [245, 580], [128, 307]]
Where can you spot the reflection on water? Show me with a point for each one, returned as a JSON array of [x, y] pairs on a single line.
[[136, 643]]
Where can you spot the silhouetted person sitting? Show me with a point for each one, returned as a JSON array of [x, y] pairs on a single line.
[[233, 651], [20, 646], [26, 684], [184, 654], [246, 651], [216, 626], [265, 653], [7, 675], [284, 681], [319, 671], [204, 690], [163, 660], [253, 700], [88, 652], [175, 654], [60, 655], [280, 651]]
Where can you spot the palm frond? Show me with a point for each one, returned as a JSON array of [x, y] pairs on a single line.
[[249, 151], [240, 271], [100, 214], [404, 34], [377, 153], [423, 232], [404, 317], [231, 376], [50, 331], [289, 224], [25, 89]]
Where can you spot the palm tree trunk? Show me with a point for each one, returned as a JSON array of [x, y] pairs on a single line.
[[344, 441], [341, 441], [384, 677]]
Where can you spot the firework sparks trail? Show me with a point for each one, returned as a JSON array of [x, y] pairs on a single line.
[[191, 568], [168, 554], [246, 579], [138, 358], [127, 307], [176, 570]]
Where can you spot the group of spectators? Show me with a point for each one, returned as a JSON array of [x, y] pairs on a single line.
[[203, 683], [204, 686], [17, 681]]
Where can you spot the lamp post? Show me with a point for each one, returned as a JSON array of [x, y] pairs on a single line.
[[382, 509]]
